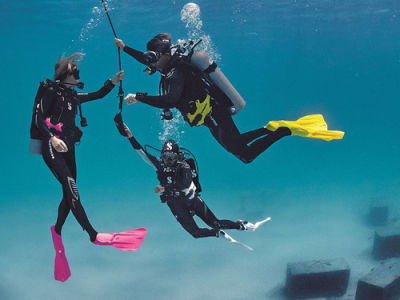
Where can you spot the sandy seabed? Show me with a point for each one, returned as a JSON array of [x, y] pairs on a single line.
[[173, 265]]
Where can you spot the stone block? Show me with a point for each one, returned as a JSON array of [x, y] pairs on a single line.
[[317, 278], [382, 283], [386, 243]]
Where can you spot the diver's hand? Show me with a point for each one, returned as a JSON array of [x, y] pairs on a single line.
[[159, 189], [120, 44], [118, 77], [58, 144], [127, 131], [130, 99]]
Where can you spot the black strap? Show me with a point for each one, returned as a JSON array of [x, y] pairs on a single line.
[[211, 68]]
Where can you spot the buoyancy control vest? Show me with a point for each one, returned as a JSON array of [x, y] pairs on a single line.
[[212, 87], [35, 133], [170, 179]]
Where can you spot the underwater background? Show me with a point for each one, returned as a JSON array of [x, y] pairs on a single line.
[[287, 58]]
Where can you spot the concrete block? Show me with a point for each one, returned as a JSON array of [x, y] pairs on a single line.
[[317, 278], [382, 283], [386, 243]]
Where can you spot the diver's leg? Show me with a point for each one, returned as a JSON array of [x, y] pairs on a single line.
[[63, 208], [203, 212], [226, 133], [57, 164], [262, 144], [63, 211], [184, 217], [250, 136]]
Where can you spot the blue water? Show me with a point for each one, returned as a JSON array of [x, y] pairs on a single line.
[[287, 58]]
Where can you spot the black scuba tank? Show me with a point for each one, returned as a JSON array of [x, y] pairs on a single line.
[[35, 146]]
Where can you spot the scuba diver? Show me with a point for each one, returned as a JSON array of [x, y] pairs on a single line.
[[54, 135], [180, 188], [192, 83]]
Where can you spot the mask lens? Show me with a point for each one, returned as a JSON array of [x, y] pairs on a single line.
[[169, 156], [75, 73], [151, 57]]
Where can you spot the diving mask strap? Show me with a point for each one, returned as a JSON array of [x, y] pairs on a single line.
[[211, 68]]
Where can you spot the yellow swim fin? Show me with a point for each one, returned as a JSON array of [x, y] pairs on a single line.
[[311, 126]]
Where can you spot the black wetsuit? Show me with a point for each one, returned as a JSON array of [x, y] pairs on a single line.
[[182, 84], [59, 105], [182, 194]]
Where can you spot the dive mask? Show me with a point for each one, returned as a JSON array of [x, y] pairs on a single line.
[[151, 58], [169, 157], [73, 70], [75, 73]]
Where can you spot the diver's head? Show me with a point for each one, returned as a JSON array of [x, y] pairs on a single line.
[[67, 72], [170, 153], [158, 52]]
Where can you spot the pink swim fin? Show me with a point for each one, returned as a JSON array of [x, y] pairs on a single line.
[[125, 241], [61, 267]]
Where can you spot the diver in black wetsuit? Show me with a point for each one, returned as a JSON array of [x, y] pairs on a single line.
[[54, 124], [180, 189], [181, 85]]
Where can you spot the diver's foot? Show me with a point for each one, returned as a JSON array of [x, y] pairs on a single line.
[[283, 131], [125, 241], [245, 225], [223, 235]]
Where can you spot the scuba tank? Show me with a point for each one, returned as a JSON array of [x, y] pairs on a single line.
[[202, 61]]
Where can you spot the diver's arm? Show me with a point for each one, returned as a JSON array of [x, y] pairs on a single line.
[[107, 87], [45, 104], [147, 157], [102, 92], [173, 94], [136, 54]]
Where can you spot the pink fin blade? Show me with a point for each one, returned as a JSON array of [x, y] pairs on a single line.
[[126, 241], [61, 267]]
